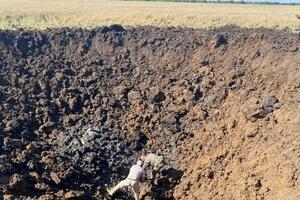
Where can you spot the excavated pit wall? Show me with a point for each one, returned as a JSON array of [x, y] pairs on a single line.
[[139, 89]]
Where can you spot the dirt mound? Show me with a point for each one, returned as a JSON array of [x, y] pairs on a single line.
[[78, 107]]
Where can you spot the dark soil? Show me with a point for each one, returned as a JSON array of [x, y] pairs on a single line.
[[137, 89]]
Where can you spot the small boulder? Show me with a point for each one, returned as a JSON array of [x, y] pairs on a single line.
[[8, 197], [116, 28], [41, 186], [134, 96], [74, 194], [68, 72], [89, 135], [268, 105], [46, 197], [18, 183], [269, 102], [218, 41], [55, 177]]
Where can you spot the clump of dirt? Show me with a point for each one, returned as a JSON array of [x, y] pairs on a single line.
[[79, 106]]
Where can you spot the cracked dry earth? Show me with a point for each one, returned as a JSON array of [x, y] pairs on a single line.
[[222, 106]]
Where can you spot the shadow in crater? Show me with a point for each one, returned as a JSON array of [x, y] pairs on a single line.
[[165, 184]]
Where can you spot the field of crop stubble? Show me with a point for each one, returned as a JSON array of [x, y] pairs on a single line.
[[90, 13]]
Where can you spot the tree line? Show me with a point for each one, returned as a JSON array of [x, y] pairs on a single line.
[[225, 1]]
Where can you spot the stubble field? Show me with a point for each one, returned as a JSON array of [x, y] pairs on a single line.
[[91, 13]]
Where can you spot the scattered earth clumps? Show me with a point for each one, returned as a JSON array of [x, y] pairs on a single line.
[[77, 108]]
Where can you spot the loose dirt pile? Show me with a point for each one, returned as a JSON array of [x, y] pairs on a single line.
[[79, 106]]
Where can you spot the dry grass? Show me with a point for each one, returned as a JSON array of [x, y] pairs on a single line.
[[90, 13]]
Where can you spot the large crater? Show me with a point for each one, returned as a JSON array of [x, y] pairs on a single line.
[[79, 106]]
